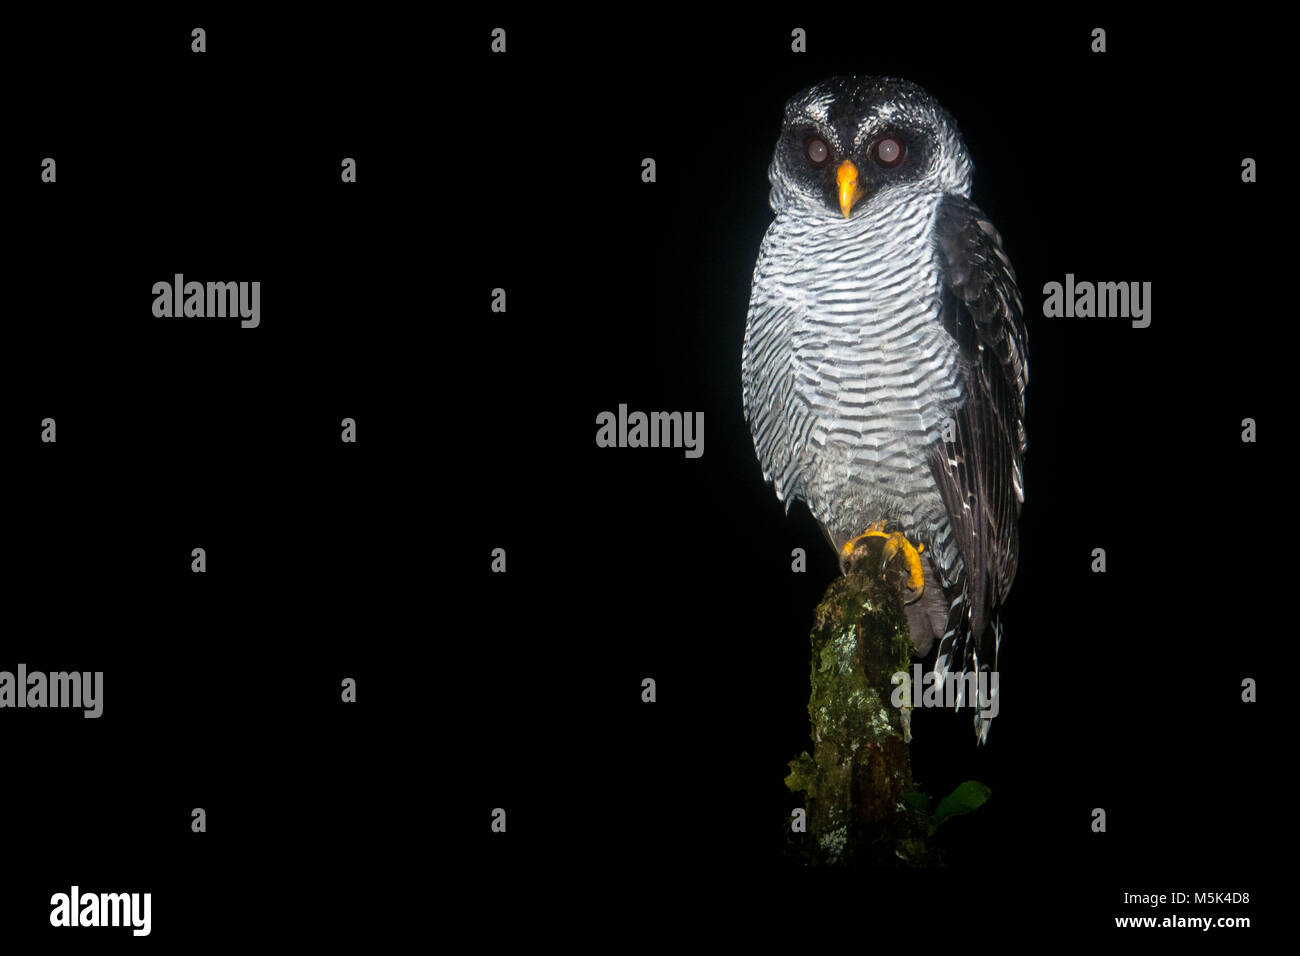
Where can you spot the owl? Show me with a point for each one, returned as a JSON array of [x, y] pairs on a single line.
[[884, 363]]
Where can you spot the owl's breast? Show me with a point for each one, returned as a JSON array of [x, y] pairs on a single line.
[[867, 374]]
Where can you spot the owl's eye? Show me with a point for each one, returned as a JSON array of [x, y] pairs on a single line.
[[817, 151], [888, 152]]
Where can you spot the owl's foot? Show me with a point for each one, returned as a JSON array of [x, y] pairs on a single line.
[[894, 544]]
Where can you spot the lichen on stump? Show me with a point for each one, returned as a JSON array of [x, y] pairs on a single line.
[[860, 767]]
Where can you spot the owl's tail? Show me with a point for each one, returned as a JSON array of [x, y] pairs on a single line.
[[959, 655]]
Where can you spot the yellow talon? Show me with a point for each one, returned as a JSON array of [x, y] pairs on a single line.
[[894, 543], [911, 557], [874, 530]]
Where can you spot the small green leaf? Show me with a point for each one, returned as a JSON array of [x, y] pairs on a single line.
[[918, 800], [967, 797]]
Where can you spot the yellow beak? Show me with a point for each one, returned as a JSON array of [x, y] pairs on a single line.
[[850, 191]]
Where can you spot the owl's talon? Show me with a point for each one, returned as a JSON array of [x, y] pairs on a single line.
[[895, 543], [874, 530]]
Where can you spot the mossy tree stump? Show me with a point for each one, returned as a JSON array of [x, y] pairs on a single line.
[[860, 767]]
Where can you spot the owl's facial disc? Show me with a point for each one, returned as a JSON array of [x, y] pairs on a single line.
[[846, 177]]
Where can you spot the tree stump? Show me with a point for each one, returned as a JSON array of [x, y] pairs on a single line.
[[860, 768]]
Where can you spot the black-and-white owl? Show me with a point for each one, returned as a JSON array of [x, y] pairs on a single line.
[[884, 363]]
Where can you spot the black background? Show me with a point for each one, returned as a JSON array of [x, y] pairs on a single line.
[[476, 431]]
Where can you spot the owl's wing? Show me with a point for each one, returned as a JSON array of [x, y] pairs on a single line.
[[979, 471], [771, 407]]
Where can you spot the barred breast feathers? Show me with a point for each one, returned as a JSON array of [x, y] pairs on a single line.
[[848, 373]]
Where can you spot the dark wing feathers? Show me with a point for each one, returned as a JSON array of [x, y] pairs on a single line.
[[979, 472]]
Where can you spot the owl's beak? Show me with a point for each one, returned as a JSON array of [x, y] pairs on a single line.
[[850, 192]]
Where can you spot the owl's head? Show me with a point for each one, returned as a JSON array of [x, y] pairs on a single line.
[[853, 141]]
